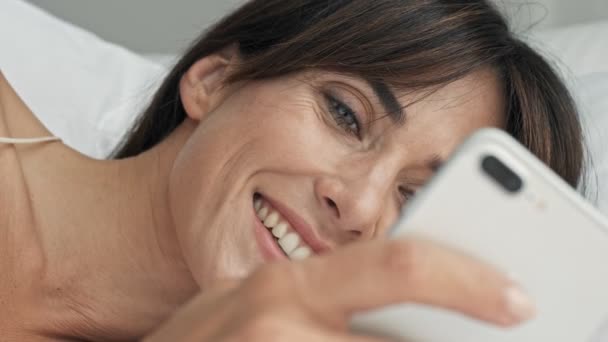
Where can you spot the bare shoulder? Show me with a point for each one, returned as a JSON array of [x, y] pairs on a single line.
[[3, 84], [5, 150], [20, 253], [13, 213], [16, 118], [7, 103], [7, 164], [8, 155], [4, 93], [16, 121]]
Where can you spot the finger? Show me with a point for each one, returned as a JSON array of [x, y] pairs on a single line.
[[370, 275], [224, 284], [286, 327], [213, 305], [350, 338]]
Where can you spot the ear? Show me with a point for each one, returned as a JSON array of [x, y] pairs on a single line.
[[201, 88]]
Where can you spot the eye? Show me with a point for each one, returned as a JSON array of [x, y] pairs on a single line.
[[406, 193], [343, 115]]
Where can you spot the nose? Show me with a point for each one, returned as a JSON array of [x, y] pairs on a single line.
[[353, 207]]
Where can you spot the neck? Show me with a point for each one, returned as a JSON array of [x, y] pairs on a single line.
[[111, 256]]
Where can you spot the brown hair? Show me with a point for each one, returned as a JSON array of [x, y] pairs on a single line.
[[408, 44]]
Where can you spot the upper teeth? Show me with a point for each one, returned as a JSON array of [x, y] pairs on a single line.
[[280, 230], [271, 220], [290, 241]]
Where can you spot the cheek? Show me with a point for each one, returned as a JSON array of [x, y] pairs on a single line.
[[184, 198], [214, 175], [206, 183], [227, 157], [289, 136]]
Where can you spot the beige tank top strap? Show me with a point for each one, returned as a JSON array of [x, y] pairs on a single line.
[[21, 141]]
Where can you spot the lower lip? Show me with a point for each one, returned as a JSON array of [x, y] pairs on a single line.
[[266, 241]]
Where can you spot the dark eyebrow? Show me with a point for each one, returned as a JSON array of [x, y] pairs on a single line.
[[389, 100], [395, 111]]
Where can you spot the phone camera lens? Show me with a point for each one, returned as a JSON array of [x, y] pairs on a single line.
[[504, 176]]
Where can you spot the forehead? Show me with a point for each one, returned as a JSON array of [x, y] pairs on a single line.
[[477, 97], [442, 118]]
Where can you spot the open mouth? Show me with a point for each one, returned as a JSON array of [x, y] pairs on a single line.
[[286, 238]]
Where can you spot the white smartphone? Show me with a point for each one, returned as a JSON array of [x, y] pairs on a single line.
[[496, 201]]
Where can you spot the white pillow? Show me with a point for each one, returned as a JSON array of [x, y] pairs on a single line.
[[85, 90], [591, 92], [162, 59], [578, 50]]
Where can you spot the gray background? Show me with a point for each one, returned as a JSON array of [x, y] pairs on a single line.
[[146, 26], [166, 27]]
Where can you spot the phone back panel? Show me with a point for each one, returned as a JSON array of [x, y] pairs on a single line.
[[547, 237]]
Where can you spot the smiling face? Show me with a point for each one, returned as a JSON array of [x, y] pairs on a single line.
[[316, 154]]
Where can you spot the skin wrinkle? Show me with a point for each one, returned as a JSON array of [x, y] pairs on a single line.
[[311, 79], [228, 165], [276, 137], [165, 254]]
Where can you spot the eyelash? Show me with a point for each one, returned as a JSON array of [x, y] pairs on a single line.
[[406, 193], [338, 111]]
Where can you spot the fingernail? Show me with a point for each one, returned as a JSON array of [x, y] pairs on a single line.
[[520, 306]]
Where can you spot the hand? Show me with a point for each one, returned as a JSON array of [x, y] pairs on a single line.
[[313, 300]]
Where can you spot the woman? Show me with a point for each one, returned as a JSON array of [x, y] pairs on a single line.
[[317, 119]]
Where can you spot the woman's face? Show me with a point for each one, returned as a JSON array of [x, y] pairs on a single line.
[[320, 150]]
